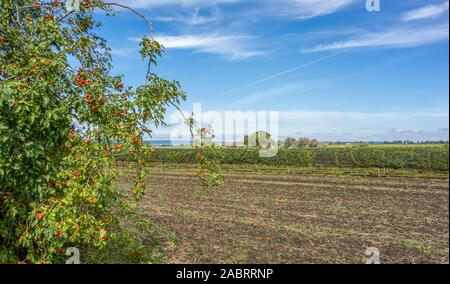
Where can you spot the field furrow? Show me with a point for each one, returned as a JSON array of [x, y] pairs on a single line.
[[301, 218]]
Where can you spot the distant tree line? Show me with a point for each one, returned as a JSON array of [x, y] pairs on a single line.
[[302, 142], [395, 142], [262, 139], [416, 142]]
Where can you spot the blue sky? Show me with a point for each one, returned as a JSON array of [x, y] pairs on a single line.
[[332, 70]]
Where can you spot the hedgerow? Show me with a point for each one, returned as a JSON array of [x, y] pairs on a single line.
[[414, 157]]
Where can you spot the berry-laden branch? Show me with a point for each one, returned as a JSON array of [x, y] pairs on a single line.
[[64, 121]]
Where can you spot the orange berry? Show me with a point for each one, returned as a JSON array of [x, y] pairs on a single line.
[[49, 17], [86, 4], [40, 216], [118, 147], [88, 97]]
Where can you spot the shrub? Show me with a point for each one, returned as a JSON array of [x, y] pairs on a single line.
[[61, 126]]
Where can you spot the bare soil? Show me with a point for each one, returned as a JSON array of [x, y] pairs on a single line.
[[297, 218]]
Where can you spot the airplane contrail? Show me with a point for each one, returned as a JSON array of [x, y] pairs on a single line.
[[276, 75]]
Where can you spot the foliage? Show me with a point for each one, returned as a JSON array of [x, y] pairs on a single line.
[[415, 157], [209, 157], [63, 117], [303, 142], [260, 139], [289, 142], [136, 241]]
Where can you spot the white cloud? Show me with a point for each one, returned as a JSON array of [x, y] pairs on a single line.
[[426, 12], [192, 20], [389, 135], [399, 37], [337, 125], [306, 8], [124, 52], [294, 116], [332, 125], [153, 3], [232, 46], [287, 8]]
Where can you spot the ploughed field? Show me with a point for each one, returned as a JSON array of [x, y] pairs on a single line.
[[300, 218]]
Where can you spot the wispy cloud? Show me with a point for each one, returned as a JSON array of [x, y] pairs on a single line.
[[353, 125], [200, 23], [209, 72], [304, 9], [426, 12], [341, 125], [282, 73], [357, 116], [296, 87], [153, 3], [393, 38], [301, 9], [389, 135], [124, 52], [193, 18], [231, 46]]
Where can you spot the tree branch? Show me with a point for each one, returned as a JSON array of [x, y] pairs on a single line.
[[147, 20], [149, 23]]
